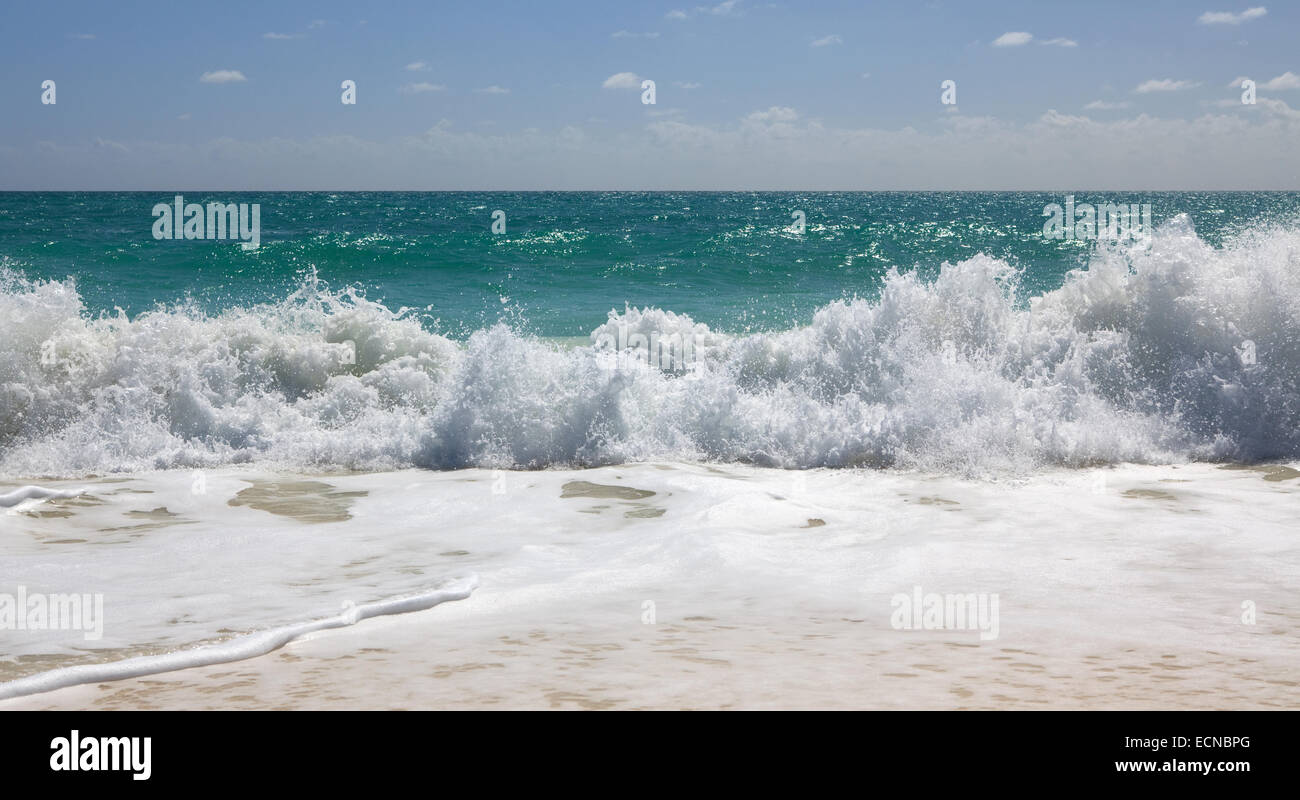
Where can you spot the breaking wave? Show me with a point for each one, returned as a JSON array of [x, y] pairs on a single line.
[[1170, 351]]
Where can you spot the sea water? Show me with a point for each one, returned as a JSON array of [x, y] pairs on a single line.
[[233, 442]]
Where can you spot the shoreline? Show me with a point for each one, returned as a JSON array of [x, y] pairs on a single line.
[[438, 660], [682, 585]]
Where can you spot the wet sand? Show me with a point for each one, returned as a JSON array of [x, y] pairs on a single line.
[[434, 662], [687, 586]]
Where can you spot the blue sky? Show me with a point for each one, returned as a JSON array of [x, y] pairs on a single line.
[[841, 95]]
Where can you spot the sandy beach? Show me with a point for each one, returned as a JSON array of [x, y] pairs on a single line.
[[680, 585]]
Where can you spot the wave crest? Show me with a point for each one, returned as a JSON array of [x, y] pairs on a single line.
[[1170, 351]]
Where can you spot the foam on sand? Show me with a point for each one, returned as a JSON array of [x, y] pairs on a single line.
[[1128, 587], [13, 498], [236, 649]]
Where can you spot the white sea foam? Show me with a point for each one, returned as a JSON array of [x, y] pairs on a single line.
[[671, 584], [1138, 358], [236, 649], [27, 493]]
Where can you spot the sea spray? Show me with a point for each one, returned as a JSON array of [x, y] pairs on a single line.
[[1137, 358]]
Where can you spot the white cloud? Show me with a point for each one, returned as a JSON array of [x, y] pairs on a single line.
[[81, 36], [1229, 18], [1287, 80], [1056, 119], [279, 36], [316, 23], [416, 66], [723, 9], [866, 75], [1279, 108], [834, 38], [183, 117], [1105, 105], [630, 35], [774, 114], [493, 89], [422, 87], [1253, 148], [1166, 85], [223, 76], [109, 144], [687, 85], [978, 153], [1267, 106], [1061, 41], [622, 80], [1013, 39]]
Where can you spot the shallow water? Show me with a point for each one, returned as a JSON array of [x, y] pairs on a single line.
[[376, 406], [1117, 587]]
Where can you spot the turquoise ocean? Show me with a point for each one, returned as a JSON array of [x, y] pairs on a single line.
[[386, 406], [374, 330]]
